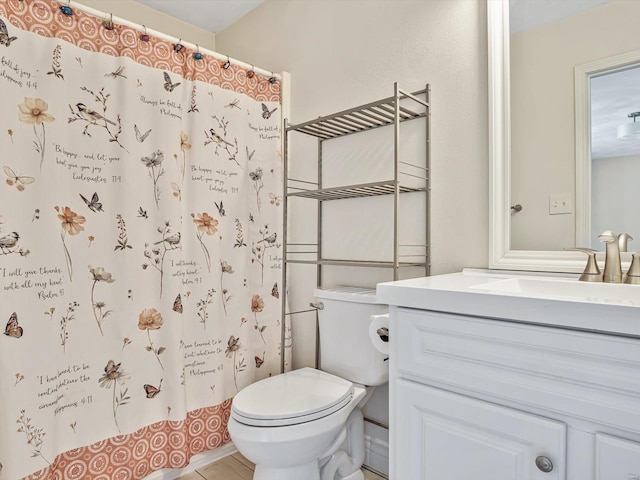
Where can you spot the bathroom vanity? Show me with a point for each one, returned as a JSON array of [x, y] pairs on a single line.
[[500, 377]]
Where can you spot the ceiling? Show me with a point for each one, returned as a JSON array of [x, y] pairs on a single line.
[[527, 14], [211, 15]]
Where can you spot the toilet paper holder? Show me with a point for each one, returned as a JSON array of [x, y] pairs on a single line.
[[379, 333], [383, 333]]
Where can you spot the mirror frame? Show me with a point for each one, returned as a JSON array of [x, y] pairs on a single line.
[[500, 254]]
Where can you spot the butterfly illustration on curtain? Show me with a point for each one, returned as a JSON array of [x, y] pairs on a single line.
[[233, 344], [266, 113], [94, 205], [152, 391], [177, 304], [220, 208], [168, 84], [275, 199], [18, 180], [274, 291], [259, 360], [141, 137], [13, 329], [5, 39]]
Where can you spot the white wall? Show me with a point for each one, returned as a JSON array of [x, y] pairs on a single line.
[[542, 109], [615, 198], [342, 53], [153, 19]]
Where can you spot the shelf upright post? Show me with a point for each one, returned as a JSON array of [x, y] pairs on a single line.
[[396, 175], [285, 201], [319, 250], [427, 259]]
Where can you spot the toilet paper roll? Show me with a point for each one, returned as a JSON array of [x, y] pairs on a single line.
[[379, 333]]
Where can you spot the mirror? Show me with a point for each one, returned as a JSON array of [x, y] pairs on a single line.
[[540, 126]]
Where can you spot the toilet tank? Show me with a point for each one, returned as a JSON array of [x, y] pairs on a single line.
[[345, 347]]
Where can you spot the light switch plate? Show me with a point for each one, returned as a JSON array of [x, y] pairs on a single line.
[[560, 204]]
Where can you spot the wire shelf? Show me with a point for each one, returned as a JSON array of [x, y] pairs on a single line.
[[356, 263], [359, 119], [355, 191]]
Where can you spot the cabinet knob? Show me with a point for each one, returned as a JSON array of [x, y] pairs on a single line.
[[544, 464]]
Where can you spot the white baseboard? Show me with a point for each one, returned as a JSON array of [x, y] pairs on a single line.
[[197, 461], [376, 446]]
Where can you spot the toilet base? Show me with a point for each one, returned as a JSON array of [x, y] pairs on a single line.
[[308, 471], [359, 475]]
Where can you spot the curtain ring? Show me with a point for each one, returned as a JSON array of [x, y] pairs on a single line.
[[272, 78], [108, 23], [177, 47], [66, 9], [144, 37], [197, 55], [251, 73], [227, 65]]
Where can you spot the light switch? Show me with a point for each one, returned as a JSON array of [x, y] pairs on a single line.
[[560, 204]]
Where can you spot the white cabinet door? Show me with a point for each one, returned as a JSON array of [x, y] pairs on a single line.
[[444, 436], [617, 458]]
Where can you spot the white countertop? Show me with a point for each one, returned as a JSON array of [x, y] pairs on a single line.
[[530, 298]]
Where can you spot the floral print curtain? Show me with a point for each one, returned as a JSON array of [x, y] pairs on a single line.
[[140, 245]]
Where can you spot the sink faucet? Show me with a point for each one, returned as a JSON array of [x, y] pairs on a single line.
[[633, 275], [623, 239], [612, 263], [591, 271]]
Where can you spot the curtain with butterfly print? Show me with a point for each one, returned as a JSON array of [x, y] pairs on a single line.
[[140, 245]]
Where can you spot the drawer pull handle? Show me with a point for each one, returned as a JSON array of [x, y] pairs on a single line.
[[544, 464]]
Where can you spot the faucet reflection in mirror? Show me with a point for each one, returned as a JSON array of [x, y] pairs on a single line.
[[615, 244]]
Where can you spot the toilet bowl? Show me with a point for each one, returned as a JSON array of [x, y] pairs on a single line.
[[307, 424], [292, 425]]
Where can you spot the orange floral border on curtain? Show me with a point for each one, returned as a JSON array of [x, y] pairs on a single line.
[[167, 444], [86, 31]]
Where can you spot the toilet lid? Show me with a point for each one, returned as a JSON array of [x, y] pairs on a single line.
[[291, 398]]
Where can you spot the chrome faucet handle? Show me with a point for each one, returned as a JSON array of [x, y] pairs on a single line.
[[633, 275], [623, 239], [591, 271]]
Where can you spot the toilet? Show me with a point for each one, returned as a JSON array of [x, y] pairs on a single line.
[[307, 423]]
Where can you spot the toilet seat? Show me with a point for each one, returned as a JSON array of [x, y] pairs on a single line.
[[291, 398]]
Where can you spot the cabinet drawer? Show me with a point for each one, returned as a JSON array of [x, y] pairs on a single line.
[[585, 375], [446, 436], [616, 458]]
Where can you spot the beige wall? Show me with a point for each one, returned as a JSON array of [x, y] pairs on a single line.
[[542, 100], [153, 19], [347, 52]]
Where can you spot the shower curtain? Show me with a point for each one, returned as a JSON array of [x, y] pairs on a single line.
[[140, 245]]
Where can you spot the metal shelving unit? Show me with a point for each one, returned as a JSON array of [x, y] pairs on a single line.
[[387, 112]]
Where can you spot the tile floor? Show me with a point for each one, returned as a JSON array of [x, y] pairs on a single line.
[[236, 467]]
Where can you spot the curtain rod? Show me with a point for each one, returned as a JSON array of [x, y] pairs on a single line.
[[164, 36]]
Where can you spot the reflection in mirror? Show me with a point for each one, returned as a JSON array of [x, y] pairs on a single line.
[[615, 153], [548, 40]]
